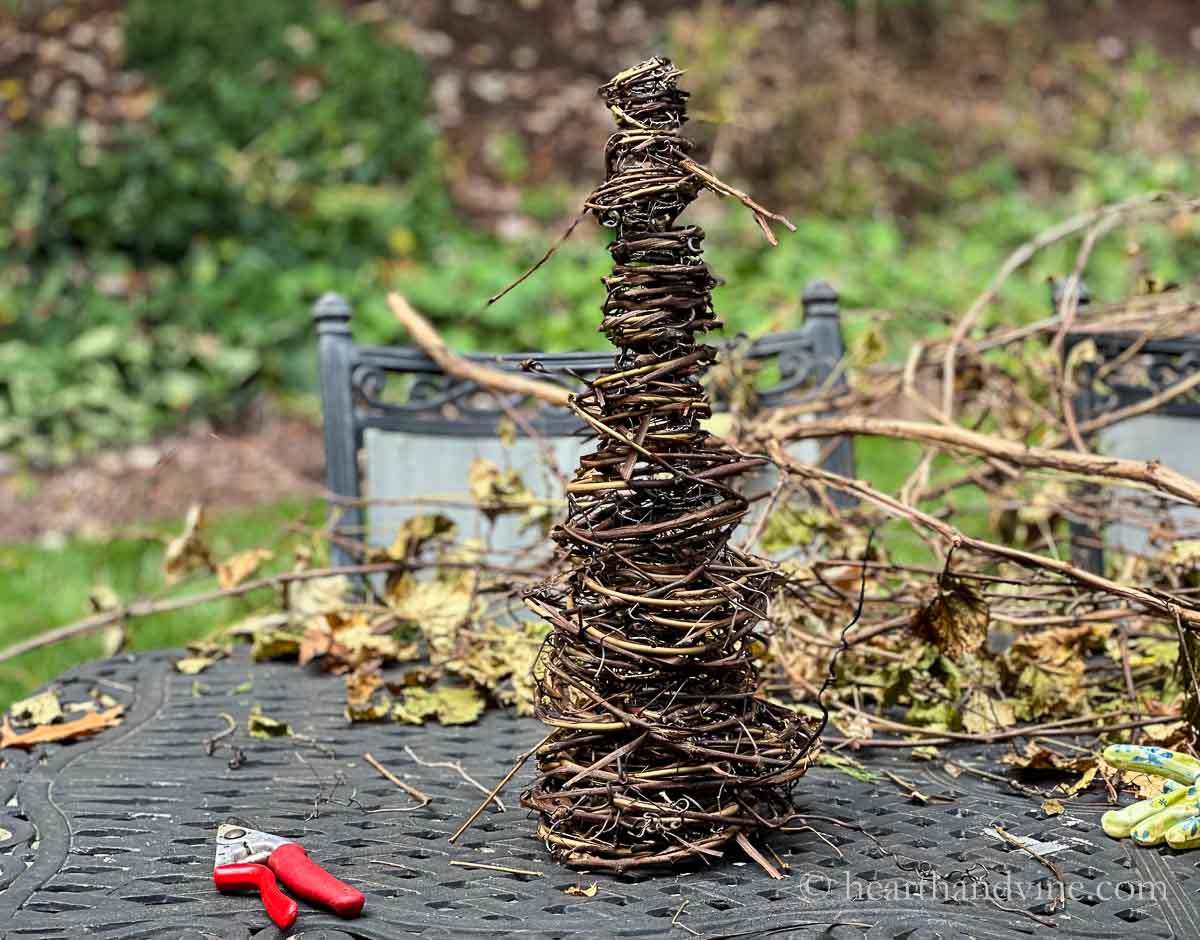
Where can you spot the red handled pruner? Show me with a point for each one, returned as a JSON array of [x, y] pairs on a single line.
[[247, 858]]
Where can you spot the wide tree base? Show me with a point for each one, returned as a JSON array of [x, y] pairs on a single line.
[[658, 793]]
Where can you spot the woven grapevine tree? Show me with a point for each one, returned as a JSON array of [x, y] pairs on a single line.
[[662, 749]]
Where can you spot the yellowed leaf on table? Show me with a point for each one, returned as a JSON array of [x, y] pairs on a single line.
[[1053, 807], [1061, 646], [191, 665], [356, 642], [262, 726], [416, 706], [1084, 781], [40, 709], [1049, 690], [1166, 734], [275, 644], [847, 765], [450, 705], [238, 568], [579, 891], [458, 705], [501, 659], [1149, 652], [187, 552], [86, 724]]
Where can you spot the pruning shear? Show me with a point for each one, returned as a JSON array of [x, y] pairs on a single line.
[[247, 858]]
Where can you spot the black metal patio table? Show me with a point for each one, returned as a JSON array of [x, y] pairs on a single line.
[[112, 836]]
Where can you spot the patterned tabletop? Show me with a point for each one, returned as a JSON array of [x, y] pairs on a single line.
[[112, 836]]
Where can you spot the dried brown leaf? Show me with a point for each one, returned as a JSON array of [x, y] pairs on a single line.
[[1037, 757], [983, 713], [316, 641], [437, 608], [317, 596], [1084, 781], [82, 726], [275, 644], [496, 491], [956, 620], [238, 568], [415, 532], [1148, 786], [187, 552]]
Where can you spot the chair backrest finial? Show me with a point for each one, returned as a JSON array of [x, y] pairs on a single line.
[[819, 299], [332, 314]]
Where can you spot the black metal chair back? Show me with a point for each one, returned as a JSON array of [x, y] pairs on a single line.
[[401, 390], [1135, 370]]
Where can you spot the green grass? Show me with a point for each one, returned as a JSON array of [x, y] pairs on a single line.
[[42, 588]]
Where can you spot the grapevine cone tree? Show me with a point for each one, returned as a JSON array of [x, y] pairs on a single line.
[[661, 750]]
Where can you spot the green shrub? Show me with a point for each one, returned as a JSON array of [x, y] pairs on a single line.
[[168, 272], [151, 278]]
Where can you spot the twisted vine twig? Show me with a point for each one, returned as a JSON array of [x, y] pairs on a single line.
[[662, 749]]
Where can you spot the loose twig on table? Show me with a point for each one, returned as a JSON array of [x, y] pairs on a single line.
[[504, 868], [1061, 901], [408, 788], [221, 739], [458, 769], [492, 794]]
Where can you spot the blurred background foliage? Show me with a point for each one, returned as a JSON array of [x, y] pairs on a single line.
[[178, 181]]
